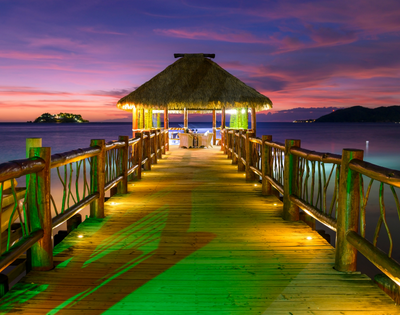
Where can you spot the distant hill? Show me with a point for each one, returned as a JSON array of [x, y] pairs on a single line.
[[363, 114], [60, 118]]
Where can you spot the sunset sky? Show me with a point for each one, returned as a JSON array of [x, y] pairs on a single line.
[[82, 56]]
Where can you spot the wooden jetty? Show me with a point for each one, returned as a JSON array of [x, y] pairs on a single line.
[[192, 236]]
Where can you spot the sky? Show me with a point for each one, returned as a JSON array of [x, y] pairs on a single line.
[[308, 57]]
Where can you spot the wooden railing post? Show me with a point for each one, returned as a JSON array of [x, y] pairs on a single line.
[[97, 179], [266, 165], [290, 210], [163, 140], [348, 211], [240, 150], [139, 154], [155, 146], [40, 212], [249, 173], [122, 187], [147, 140], [234, 148], [160, 137], [223, 140], [228, 144]]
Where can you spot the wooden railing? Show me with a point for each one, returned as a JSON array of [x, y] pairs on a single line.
[[84, 176], [327, 187]]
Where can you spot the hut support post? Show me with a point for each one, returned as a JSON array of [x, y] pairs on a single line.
[[147, 165], [223, 130], [266, 165], [97, 179], [122, 187], [348, 211], [40, 212], [166, 127], [290, 210], [214, 127], [134, 119], [185, 118], [254, 121], [249, 146]]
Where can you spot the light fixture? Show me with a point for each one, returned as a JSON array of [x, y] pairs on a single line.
[[309, 237], [80, 236]]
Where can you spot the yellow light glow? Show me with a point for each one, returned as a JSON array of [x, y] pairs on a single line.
[[275, 204], [255, 185], [80, 235], [309, 237], [243, 111], [113, 203]]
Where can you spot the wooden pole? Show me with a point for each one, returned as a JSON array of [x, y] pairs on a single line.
[[122, 187], [290, 210], [348, 211], [97, 179], [185, 118], [214, 127], [235, 147], [240, 151], [266, 165], [134, 119], [155, 146], [147, 165], [254, 121], [143, 118], [139, 154], [40, 212], [249, 173], [223, 129], [166, 127]]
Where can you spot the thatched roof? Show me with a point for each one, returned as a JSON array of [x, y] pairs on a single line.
[[194, 82]]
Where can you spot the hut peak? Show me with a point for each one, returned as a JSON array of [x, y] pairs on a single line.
[[194, 55]]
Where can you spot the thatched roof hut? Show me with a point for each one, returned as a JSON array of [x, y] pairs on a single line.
[[194, 82]]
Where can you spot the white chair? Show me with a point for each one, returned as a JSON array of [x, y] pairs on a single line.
[[205, 141], [185, 140]]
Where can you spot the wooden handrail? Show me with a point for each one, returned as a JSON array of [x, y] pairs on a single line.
[[316, 156], [379, 173], [61, 159], [17, 168]]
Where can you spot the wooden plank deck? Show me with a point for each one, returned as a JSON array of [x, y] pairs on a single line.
[[193, 237]]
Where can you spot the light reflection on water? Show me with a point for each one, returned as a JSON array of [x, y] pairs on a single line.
[[379, 142]]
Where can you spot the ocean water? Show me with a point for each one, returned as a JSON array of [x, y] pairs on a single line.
[[379, 142]]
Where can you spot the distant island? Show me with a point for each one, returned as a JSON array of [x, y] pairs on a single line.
[[60, 118], [363, 114]]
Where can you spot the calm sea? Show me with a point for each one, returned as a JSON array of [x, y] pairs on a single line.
[[379, 142]]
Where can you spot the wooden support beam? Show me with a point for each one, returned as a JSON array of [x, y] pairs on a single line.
[[290, 210], [185, 118], [254, 121], [40, 212], [166, 127], [214, 127], [97, 179], [134, 119], [122, 187], [266, 165], [348, 211], [223, 129]]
